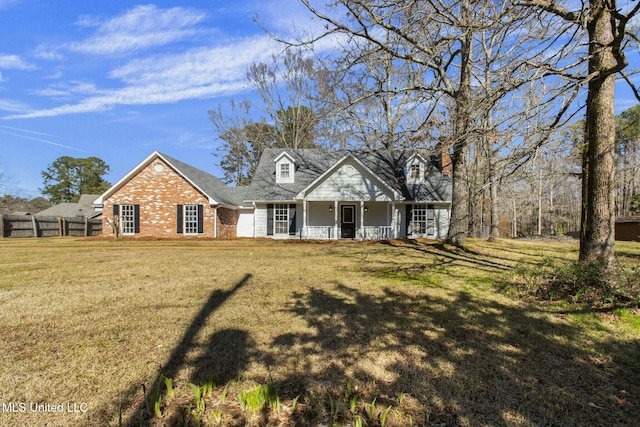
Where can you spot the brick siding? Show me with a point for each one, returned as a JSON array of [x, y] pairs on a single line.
[[159, 193]]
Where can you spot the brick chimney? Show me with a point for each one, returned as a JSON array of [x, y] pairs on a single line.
[[443, 159]]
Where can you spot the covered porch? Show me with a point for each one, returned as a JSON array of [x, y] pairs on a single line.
[[345, 219]]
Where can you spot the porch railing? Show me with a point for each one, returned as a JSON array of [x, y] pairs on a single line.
[[375, 232], [369, 232], [318, 232]]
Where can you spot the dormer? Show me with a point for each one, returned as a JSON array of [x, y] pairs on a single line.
[[415, 168], [285, 168]]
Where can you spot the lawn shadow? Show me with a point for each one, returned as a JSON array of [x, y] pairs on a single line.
[[461, 359], [230, 347]]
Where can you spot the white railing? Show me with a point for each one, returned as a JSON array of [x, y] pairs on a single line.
[[375, 232], [369, 232], [318, 232]]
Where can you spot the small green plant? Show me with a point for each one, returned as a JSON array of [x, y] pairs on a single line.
[[260, 397], [358, 421], [198, 394], [217, 417], [154, 401], [208, 387], [294, 403], [353, 403], [372, 409], [223, 395], [168, 382], [383, 416]]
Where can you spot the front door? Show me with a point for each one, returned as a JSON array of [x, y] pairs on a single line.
[[348, 222]]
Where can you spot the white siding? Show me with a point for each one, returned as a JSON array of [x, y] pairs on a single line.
[[376, 214], [349, 182], [261, 220], [442, 221], [245, 223]]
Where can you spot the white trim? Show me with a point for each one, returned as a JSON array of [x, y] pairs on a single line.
[[302, 194], [284, 154]]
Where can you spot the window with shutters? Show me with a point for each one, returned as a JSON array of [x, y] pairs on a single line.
[[423, 220], [127, 219], [190, 219], [281, 218]]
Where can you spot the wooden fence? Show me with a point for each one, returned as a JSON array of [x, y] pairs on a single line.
[[48, 226]]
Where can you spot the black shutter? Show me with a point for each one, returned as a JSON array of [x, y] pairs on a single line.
[[200, 219], [270, 219], [409, 218], [179, 218], [292, 219], [116, 210], [136, 218]]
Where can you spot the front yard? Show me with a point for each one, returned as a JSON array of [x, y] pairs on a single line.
[[388, 333]]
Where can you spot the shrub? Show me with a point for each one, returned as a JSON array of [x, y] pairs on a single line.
[[578, 282]]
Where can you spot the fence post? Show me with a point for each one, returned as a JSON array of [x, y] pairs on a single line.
[[60, 232], [86, 226], [35, 226], [2, 227]]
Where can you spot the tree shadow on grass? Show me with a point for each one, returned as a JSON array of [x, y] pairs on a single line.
[[223, 357], [462, 360]]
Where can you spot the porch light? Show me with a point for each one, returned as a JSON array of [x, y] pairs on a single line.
[[366, 209], [330, 208]]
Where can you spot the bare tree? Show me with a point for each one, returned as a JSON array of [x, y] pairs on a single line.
[[287, 86], [602, 26]]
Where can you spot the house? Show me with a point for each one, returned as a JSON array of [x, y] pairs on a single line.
[[628, 229], [83, 208], [164, 197], [302, 194]]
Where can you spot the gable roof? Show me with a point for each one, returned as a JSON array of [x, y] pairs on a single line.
[[311, 164], [336, 166], [204, 182]]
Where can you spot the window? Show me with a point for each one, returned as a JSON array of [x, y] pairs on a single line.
[[285, 169], [128, 219], [190, 219], [281, 218], [285, 173], [423, 220], [414, 171]]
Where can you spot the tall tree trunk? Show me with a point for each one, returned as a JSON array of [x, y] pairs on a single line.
[[494, 232], [598, 219], [459, 221]]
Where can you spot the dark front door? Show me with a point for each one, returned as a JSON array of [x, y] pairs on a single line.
[[348, 222]]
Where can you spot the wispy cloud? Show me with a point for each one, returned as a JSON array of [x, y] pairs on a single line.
[[195, 74], [27, 134], [14, 62], [14, 106], [140, 28]]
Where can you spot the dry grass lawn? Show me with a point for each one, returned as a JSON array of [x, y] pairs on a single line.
[[87, 326]]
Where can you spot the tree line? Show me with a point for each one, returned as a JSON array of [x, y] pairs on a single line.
[[497, 83]]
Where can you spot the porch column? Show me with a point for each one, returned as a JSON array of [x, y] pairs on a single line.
[[303, 234], [361, 229], [393, 220], [335, 220]]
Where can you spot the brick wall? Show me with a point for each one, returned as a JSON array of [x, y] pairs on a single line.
[[158, 191], [227, 223]]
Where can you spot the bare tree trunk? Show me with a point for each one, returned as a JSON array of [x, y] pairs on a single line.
[[494, 232], [598, 219], [459, 221]]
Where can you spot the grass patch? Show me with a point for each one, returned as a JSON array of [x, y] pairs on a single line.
[[391, 333]]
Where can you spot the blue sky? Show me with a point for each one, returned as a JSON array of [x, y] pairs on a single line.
[[118, 79]]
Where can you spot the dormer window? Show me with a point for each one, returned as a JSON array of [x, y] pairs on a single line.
[[416, 168], [285, 169], [415, 172]]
